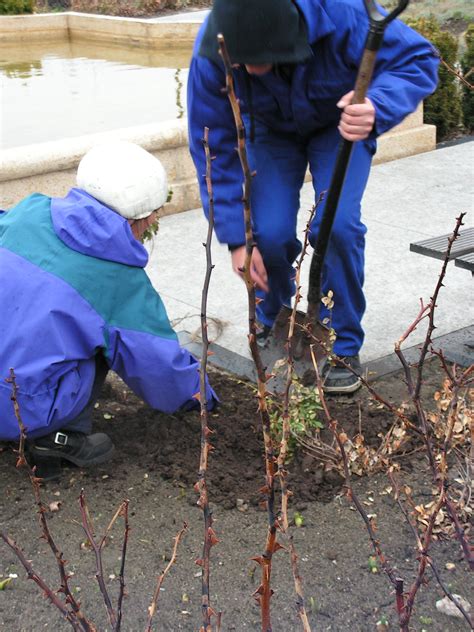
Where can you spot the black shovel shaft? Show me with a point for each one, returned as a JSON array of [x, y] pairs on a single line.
[[377, 24]]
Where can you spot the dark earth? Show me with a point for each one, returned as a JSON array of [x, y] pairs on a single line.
[[155, 466]]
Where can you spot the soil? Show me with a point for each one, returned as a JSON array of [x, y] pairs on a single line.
[[155, 467]]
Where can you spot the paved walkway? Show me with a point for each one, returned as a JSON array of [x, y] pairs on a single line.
[[406, 200]]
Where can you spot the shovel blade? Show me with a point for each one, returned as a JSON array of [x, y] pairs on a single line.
[[275, 351]]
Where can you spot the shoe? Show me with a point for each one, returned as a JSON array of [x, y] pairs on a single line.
[[337, 380], [78, 448], [263, 331]]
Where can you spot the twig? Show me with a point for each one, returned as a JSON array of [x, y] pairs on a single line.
[[263, 593], [154, 602], [70, 616], [201, 486], [458, 74], [433, 303], [16, 408], [85, 624], [97, 548], [429, 561], [397, 582], [121, 595], [414, 388], [286, 429], [450, 596], [286, 432]]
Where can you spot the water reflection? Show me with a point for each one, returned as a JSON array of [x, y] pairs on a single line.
[[21, 70], [68, 88]]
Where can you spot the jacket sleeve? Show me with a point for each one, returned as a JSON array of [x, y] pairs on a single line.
[[208, 107], [406, 70], [150, 359]]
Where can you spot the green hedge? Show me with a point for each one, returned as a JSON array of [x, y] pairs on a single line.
[[14, 7], [467, 63], [443, 107]]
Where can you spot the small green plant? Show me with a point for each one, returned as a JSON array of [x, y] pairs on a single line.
[[373, 568], [15, 7], [305, 414], [298, 519]]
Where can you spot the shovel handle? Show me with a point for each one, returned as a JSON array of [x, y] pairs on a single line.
[[377, 24]]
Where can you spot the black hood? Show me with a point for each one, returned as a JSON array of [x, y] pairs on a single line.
[[257, 32]]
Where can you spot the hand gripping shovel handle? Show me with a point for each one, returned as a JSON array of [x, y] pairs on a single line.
[[377, 25]]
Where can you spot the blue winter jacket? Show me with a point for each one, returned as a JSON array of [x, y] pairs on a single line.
[[72, 284], [405, 73]]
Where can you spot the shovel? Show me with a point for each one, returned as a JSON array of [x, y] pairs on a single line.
[[308, 328]]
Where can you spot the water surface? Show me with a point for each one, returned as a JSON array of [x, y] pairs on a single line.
[[57, 90]]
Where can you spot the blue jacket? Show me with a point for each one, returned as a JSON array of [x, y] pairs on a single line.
[[72, 284], [405, 73]]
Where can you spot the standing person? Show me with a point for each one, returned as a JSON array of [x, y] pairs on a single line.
[[296, 65], [76, 301]]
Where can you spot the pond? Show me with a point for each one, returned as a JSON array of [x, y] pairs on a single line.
[[64, 89]]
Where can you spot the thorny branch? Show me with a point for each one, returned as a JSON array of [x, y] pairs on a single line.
[[201, 486], [457, 73], [286, 431], [154, 602], [69, 615], [414, 389], [98, 547], [437, 459], [264, 591], [429, 561], [73, 615], [341, 438], [122, 563]]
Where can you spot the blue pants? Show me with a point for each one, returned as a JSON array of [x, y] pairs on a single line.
[[281, 162], [83, 421]]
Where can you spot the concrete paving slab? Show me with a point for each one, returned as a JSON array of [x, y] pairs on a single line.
[[423, 193], [405, 199]]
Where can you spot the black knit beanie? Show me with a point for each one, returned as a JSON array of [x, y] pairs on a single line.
[[257, 32]]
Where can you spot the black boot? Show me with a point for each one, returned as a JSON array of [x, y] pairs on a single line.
[[337, 380], [78, 448]]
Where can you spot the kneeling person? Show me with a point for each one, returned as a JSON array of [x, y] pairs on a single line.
[[76, 302]]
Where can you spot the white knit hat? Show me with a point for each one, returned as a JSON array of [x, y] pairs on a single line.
[[125, 177]]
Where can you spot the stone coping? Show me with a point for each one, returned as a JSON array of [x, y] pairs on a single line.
[[143, 33], [40, 158], [59, 155]]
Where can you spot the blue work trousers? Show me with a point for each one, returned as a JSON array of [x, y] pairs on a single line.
[[281, 162], [83, 421]]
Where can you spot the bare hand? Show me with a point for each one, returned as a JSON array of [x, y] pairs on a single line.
[[258, 273], [357, 121]]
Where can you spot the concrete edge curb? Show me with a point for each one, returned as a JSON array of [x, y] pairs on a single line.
[[457, 346]]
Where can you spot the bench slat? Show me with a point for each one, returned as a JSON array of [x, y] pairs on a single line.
[[437, 246], [465, 261]]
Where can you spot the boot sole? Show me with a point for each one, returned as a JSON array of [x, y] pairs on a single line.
[[342, 390], [54, 454]]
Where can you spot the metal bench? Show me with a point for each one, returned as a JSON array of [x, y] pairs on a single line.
[[465, 261], [462, 251]]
